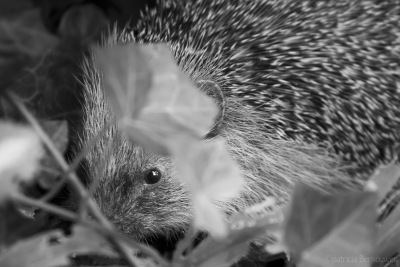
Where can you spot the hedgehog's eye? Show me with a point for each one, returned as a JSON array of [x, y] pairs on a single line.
[[152, 176]]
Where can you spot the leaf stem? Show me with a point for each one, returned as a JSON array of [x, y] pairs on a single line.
[[184, 244]]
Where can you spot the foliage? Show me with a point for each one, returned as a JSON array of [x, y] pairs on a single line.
[[314, 229]]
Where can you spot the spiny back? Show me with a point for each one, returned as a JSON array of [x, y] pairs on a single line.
[[323, 71]]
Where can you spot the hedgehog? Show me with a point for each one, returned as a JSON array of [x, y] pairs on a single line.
[[309, 93]]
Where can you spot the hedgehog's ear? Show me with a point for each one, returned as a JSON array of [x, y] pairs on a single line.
[[213, 90]]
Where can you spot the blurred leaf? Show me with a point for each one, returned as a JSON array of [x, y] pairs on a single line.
[[20, 152], [174, 96], [82, 22], [7, 111], [340, 225], [243, 229], [154, 133], [209, 217], [385, 178], [12, 7], [126, 77], [25, 34], [58, 133], [53, 249], [152, 98], [207, 167], [211, 175], [14, 225], [50, 169], [228, 256], [21, 39], [389, 235]]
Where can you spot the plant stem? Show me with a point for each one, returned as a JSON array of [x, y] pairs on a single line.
[[71, 175], [75, 163], [21, 199], [55, 188]]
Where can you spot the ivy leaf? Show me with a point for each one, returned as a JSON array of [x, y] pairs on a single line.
[[207, 167], [126, 78], [174, 96], [211, 176], [153, 100], [340, 225], [243, 229], [53, 249], [20, 152]]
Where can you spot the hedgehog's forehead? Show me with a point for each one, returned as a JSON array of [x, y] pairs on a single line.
[[115, 151]]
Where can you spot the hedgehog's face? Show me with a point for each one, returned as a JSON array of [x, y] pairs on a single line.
[[137, 190]]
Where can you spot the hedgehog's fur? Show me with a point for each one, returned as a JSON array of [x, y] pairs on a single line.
[[270, 166], [309, 87]]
